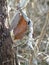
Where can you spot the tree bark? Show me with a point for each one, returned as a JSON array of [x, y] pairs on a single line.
[[6, 52]]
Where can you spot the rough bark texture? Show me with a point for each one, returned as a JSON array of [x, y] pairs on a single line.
[[6, 53]]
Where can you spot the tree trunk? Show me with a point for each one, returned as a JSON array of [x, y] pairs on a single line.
[[6, 52]]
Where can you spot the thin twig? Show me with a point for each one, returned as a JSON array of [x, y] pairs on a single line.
[[37, 45], [43, 31]]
